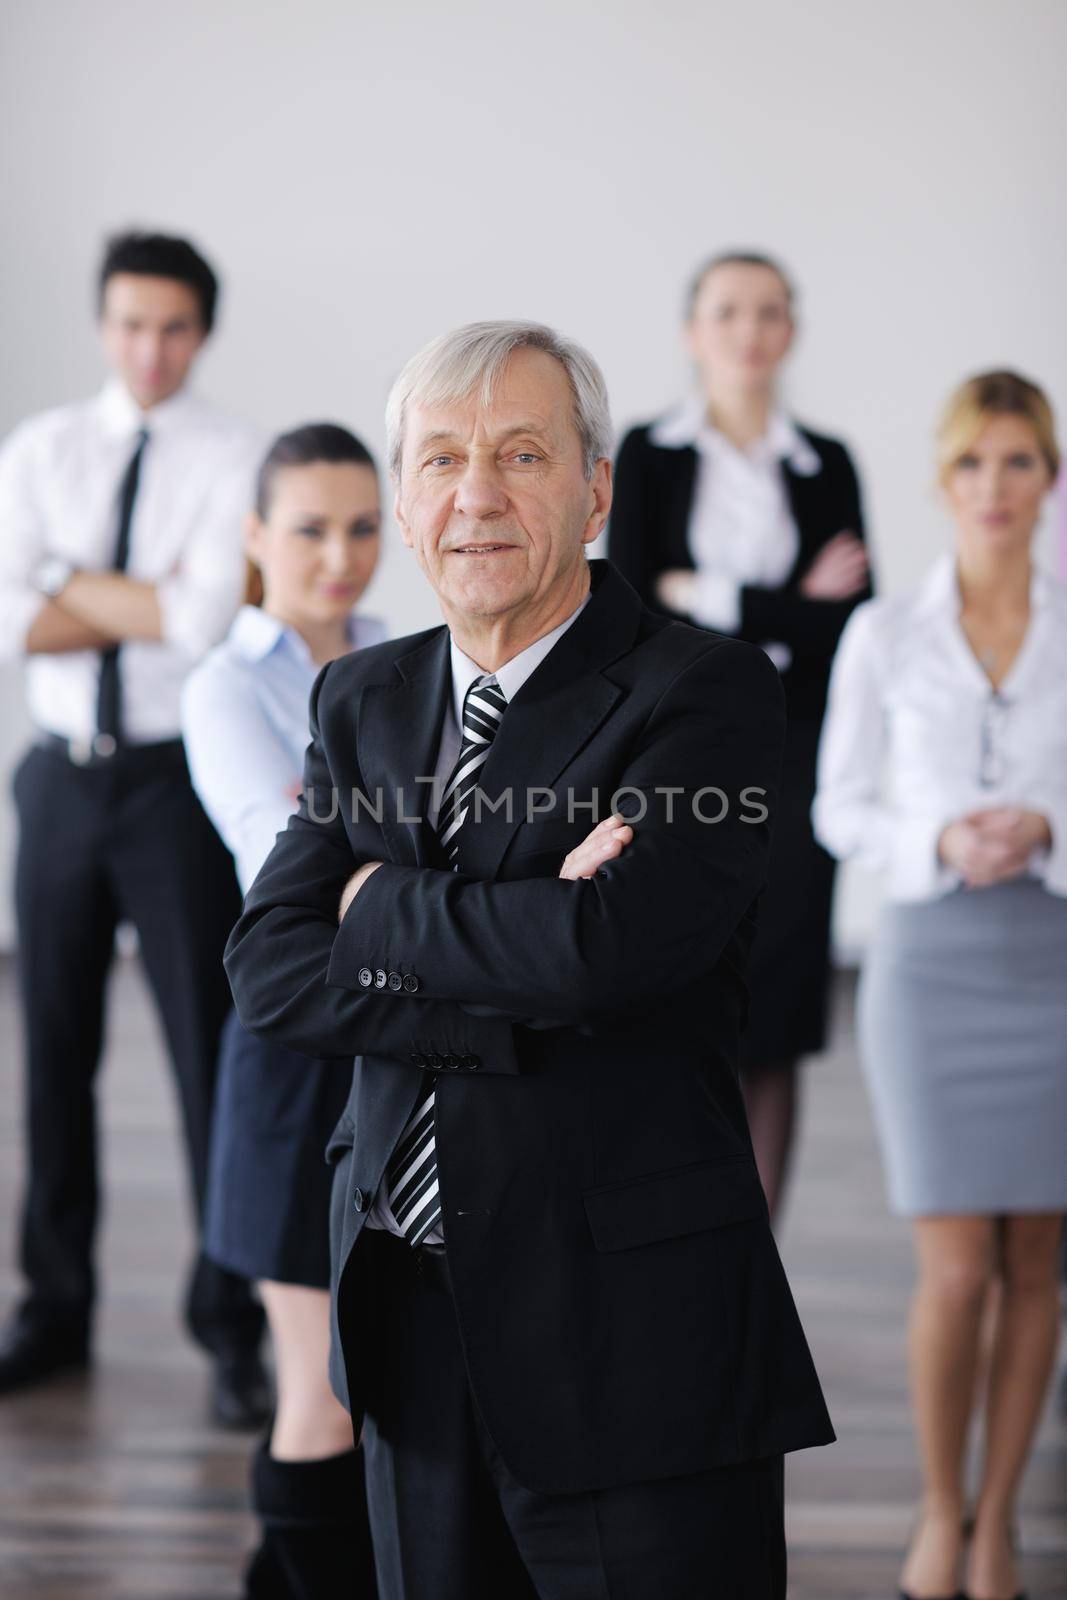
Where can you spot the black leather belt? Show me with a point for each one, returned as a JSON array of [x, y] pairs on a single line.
[[102, 749]]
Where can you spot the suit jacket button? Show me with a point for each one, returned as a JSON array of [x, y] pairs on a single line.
[[453, 1061], [366, 977], [436, 1061], [395, 981], [359, 1200], [411, 983], [418, 1060], [474, 1062], [381, 978]]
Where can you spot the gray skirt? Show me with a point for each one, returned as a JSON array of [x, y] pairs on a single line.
[[963, 1038]]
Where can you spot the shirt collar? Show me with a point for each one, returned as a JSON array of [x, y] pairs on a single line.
[[121, 415], [254, 634], [939, 591], [514, 673], [687, 426]]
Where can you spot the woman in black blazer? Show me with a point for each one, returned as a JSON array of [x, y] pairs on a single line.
[[731, 516]]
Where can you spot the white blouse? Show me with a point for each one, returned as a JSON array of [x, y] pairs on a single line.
[[915, 736], [741, 527], [245, 725]]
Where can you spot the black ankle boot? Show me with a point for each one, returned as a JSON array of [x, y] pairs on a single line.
[[316, 1536]]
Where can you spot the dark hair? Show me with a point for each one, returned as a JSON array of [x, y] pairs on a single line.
[[300, 447], [735, 258], [315, 441], [159, 255]]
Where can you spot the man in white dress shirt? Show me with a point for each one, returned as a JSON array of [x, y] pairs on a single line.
[[120, 565]]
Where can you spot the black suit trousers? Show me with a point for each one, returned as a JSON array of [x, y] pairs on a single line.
[[449, 1522], [125, 839]]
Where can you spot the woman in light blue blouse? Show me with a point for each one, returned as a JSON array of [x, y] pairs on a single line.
[[313, 543]]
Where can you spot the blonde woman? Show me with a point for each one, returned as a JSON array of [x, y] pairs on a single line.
[[959, 692]]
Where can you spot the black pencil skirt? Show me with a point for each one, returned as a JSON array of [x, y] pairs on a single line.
[[789, 968], [268, 1192]]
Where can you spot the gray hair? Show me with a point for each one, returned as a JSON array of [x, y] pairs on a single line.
[[473, 358]]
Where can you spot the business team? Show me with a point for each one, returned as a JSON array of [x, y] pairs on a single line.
[[557, 1304]]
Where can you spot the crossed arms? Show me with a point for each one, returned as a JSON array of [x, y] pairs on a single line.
[[568, 952], [93, 610]]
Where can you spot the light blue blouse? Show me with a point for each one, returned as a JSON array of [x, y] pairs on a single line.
[[245, 726]]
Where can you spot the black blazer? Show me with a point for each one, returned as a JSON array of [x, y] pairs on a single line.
[[622, 1306], [649, 533]]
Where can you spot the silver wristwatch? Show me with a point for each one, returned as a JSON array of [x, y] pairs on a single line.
[[52, 575]]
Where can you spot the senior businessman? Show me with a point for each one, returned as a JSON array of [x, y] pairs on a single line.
[[520, 891]]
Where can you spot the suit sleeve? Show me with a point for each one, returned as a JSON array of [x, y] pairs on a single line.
[[650, 923], [282, 945], [808, 627]]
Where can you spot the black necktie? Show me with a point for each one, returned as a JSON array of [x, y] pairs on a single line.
[[412, 1171], [109, 688]]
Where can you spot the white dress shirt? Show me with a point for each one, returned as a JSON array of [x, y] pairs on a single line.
[[510, 679], [60, 474], [741, 527], [916, 737], [245, 726]]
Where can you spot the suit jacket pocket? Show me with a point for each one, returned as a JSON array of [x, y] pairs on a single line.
[[667, 1205], [549, 836]]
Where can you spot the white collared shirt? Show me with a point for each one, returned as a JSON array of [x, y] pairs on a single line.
[[915, 737], [510, 678], [741, 526], [60, 474], [244, 719]]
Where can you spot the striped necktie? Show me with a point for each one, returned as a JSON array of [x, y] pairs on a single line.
[[412, 1172]]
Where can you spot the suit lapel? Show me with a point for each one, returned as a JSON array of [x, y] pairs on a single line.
[[399, 733], [677, 504], [539, 737], [556, 712], [807, 502]]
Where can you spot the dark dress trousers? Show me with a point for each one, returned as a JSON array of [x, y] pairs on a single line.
[[648, 535], [450, 1522], [622, 1309], [101, 842]]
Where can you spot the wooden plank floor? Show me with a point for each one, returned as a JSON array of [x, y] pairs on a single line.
[[116, 1487]]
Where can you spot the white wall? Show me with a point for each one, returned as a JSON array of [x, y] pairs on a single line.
[[366, 176]]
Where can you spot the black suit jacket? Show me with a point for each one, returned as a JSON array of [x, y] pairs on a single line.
[[622, 1306], [649, 533]]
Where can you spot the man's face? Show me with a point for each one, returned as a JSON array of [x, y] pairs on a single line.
[[151, 330], [494, 500]]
